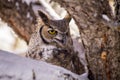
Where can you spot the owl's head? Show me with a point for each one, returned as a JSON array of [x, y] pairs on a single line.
[[55, 32]]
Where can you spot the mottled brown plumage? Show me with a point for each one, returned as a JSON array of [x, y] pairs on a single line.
[[52, 43]]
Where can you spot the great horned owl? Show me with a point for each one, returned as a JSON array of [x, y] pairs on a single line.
[[52, 43]]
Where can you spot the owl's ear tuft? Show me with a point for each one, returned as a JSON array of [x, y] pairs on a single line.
[[43, 16], [67, 17]]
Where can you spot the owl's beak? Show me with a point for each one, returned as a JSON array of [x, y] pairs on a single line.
[[61, 42]]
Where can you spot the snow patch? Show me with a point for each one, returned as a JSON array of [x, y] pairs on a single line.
[[6, 37], [28, 15], [9, 41], [35, 8], [50, 9], [28, 1], [105, 17], [78, 47], [74, 31], [17, 5], [9, 0], [22, 68], [95, 15]]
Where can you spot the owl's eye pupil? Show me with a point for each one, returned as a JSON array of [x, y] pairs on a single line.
[[52, 32]]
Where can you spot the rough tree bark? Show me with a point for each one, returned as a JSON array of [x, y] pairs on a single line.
[[100, 32]]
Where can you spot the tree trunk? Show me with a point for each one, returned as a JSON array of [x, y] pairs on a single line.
[[100, 32]]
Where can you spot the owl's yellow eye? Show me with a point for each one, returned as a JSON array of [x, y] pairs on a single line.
[[52, 32]]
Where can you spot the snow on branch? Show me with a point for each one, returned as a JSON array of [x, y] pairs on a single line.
[[13, 67]]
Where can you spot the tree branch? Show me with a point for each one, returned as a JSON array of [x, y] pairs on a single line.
[[13, 67]]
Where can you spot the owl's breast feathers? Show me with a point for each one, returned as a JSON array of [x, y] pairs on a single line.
[[60, 57], [67, 59]]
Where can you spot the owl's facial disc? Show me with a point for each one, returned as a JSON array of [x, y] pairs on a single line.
[[53, 36], [57, 37]]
